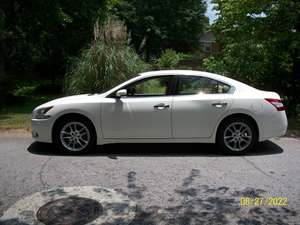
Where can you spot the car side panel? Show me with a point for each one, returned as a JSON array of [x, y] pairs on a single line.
[[196, 116], [136, 117]]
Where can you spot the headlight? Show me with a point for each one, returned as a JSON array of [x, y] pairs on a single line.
[[41, 113]]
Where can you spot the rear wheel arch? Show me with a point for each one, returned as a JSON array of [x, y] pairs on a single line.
[[238, 115]]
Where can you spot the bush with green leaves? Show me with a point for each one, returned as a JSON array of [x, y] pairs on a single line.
[[25, 91], [169, 59], [106, 63]]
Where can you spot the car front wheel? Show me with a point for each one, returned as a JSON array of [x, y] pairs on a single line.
[[74, 135], [237, 136]]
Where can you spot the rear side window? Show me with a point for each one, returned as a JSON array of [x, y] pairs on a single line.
[[191, 85]]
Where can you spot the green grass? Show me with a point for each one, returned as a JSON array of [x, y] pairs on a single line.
[[19, 116]]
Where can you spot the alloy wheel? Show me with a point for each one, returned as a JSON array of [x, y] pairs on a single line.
[[237, 136], [75, 136]]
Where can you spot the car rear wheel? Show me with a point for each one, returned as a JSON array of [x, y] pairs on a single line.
[[74, 135], [237, 136]]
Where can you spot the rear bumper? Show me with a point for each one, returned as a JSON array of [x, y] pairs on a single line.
[[42, 130], [273, 125]]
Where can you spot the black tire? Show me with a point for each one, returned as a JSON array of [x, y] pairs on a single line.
[[235, 122], [61, 123]]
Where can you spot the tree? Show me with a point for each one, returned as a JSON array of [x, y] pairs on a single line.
[[156, 25], [261, 44], [38, 36]]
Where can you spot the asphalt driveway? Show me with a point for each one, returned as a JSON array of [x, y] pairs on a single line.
[[171, 183]]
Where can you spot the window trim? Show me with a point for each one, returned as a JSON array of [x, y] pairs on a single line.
[[175, 92]]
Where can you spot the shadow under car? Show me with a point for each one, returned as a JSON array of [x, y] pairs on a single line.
[[155, 150]]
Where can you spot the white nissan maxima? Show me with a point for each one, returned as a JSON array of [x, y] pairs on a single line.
[[164, 106]]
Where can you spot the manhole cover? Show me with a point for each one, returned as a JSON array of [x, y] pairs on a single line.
[[70, 211], [84, 205]]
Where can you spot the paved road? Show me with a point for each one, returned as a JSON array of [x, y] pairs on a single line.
[[190, 185]]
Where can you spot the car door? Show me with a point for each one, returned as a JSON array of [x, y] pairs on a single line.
[[198, 104], [144, 113]]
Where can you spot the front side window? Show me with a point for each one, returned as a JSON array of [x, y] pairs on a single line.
[[157, 86], [191, 85]]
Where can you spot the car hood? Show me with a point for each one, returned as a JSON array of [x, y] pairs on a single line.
[[85, 98]]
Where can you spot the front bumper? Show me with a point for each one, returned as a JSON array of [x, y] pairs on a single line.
[[42, 130]]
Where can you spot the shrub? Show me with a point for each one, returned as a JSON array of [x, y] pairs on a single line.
[[213, 65], [169, 59], [45, 87], [25, 91], [106, 63]]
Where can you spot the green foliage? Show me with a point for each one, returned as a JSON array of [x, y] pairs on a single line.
[[37, 37], [101, 67], [106, 63], [38, 87], [156, 25], [211, 64], [169, 59], [25, 91], [260, 44]]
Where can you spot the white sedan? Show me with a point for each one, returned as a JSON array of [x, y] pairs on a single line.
[[164, 106]]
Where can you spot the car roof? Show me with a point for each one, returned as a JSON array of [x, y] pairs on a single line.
[[237, 84]]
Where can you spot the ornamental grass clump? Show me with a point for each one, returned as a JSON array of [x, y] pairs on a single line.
[[107, 62]]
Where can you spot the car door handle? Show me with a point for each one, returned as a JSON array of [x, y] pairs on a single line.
[[219, 104], [161, 106]]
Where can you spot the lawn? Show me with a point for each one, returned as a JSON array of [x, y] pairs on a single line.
[[19, 116]]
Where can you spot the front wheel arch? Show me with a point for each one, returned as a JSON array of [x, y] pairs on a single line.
[[73, 116]]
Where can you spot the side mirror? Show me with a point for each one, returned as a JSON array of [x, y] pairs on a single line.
[[121, 93]]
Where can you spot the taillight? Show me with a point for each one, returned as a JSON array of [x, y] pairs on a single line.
[[277, 103]]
